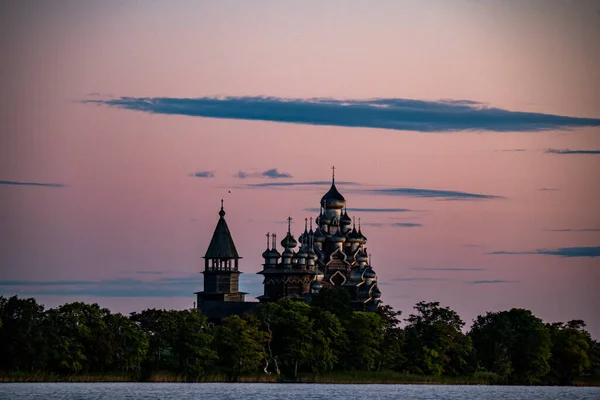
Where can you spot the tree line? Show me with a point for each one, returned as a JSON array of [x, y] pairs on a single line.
[[290, 338]]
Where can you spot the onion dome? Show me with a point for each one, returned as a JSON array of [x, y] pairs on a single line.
[[289, 242], [274, 253], [319, 236], [361, 236], [338, 237], [376, 293], [302, 252], [333, 199], [324, 219], [266, 253], [345, 220], [316, 285], [353, 236], [369, 273], [362, 256]]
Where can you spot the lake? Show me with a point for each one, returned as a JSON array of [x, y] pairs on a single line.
[[260, 391]]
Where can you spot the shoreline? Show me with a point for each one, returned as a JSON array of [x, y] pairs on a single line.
[[336, 379]]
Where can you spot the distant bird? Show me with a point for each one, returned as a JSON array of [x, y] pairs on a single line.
[[229, 191]]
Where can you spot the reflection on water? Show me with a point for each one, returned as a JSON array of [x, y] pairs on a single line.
[[258, 391]]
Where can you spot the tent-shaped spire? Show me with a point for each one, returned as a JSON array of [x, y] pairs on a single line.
[[221, 245]]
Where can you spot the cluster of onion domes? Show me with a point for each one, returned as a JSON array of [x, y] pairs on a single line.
[[335, 237]]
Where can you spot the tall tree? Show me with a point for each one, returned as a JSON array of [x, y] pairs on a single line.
[[192, 343], [514, 344], [392, 356], [328, 340], [158, 326], [365, 333], [435, 343], [239, 345], [569, 352], [22, 342], [290, 334]]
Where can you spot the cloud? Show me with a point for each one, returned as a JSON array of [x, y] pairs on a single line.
[[283, 184], [174, 286], [384, 113], [574, 230], [44, 184], [125, 287], [548, 190], [513, 150], [368, 210], [432, 193], [204, 174], [274, 174], [491, 281], [418, 279], [405, 224], [593, 251], [568, 151], [449, 269]]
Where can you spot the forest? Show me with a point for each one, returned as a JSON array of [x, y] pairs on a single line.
[[294, 341]]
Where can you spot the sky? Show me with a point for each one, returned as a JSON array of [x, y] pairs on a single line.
[[465, 136]]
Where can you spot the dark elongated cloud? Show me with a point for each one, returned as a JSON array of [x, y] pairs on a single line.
[[44, 184], [182, 286], [491, 281], [449, 269], [441, 194], [418, 279], [367, 210], [575, 230], [274, 174], [568, 151], [405, 224], [204, 174], [593, 251], [392, 113], [407, 192], [311, 183]]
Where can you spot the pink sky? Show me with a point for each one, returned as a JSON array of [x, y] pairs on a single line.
[[130, 218]]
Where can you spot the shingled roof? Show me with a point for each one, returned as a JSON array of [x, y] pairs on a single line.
[[221, 244]]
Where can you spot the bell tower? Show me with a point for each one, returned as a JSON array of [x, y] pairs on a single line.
[[221, 273]]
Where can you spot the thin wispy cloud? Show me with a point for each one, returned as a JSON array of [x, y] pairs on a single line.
[[42, 184], [491, 282], [569, 151], [431, 193], [548, 190], [272, 173], [275, 174], [164, 287], [368, 210], [593, 251], [418, 279], [204, 174], [449, 269], [574, 230], [284, 184], [180, 286], [513, 150], [405, 224], [383, 113]]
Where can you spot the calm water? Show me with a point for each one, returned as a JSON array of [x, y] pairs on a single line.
[[258, 391]]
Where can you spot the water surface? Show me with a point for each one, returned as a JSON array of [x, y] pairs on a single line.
[[260, 391]]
